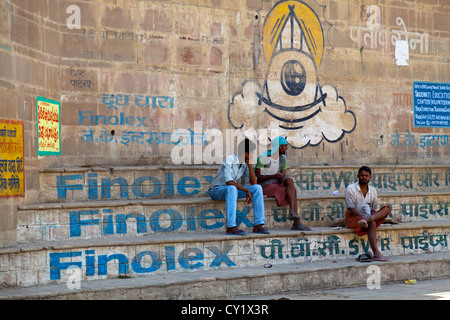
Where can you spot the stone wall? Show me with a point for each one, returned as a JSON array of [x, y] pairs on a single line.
[[329, 75]]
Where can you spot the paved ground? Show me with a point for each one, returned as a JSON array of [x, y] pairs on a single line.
[[422, 290]]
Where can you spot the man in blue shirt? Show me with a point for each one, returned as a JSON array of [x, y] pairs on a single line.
[[225, 186]]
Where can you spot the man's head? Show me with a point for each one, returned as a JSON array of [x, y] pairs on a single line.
[[364, 175], [278, 144], [246, 147]]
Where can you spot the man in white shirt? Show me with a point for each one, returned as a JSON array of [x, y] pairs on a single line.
[[226, 186], [361, 201]]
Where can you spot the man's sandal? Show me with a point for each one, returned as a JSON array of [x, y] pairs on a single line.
[[262, 231], [301, 227], [237, 232], [293, 216], [365, 257]]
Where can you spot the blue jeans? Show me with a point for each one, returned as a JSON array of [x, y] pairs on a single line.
[[230, 194]]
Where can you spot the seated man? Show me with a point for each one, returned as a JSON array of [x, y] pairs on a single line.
[[271, 172], [225, 186], [362, 201]]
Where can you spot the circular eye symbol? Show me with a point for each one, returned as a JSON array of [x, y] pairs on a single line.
[[293, 77]]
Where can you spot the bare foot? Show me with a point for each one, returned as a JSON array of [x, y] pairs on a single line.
[[380, 257], [363, 223]]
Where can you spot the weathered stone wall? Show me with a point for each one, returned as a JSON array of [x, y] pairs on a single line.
[[127, 73]]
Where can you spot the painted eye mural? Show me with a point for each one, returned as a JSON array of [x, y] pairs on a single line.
[[292, 102], [293, 77]]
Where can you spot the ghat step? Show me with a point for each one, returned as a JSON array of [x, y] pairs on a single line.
[[248, 281], [118, 218], [150, 182], [49, 261]]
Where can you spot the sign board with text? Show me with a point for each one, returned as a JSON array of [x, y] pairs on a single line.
[[48, 126], [12, 178], [431, 105]]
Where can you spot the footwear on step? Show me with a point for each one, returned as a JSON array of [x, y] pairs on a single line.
[[365, 257], [301, 227], [262, 231], [293, 216], [236, 232]]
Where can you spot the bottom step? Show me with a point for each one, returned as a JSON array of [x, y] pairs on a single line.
[[94, 259], [249, 281], [434, 289]]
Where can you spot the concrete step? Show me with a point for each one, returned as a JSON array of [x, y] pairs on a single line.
[[406, 290], [116, 183], [150, 182], [117, 218], [48, 262], [290, 278]]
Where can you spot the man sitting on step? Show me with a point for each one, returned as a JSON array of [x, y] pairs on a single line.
[[271, 174], [225, 186], [361, 201]]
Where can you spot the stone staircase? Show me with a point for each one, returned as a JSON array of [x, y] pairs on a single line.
[[152, 232]]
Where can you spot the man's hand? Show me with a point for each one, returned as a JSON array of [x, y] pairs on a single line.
[[279, 176], [248, 193], [251, 172], [247, 158], [248, 197]]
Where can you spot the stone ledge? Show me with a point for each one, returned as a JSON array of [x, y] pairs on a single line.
[[228, 284], [195, 200], [126, 168], [216, 166], [45, 262], [195, 236]]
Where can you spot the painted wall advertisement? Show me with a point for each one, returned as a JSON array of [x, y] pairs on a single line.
[[11, 159], [431, 105], [49, 128]]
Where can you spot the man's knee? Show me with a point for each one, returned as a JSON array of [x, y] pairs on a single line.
[[371, 225], [386, 209], [232, 191], [289, 182], [257, 188]]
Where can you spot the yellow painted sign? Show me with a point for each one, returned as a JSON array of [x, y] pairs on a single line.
[[12, 177], [49, 128], [287, 15]]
